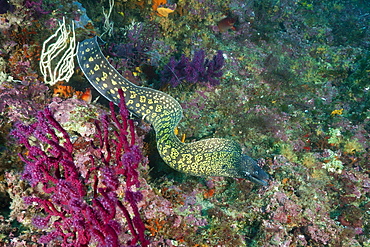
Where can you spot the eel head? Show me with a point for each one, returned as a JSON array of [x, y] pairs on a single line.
[[250, 170]]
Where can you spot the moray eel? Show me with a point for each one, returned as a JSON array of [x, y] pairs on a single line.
[[209, 157]]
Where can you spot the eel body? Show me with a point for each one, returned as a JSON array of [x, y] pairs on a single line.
[[208, 157]]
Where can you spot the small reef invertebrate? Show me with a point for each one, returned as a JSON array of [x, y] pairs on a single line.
[[64, 91], [337, 112], [157, 3], [209, 157]]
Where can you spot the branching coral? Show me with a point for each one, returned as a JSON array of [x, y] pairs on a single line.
[[81, 209], [198, 70]]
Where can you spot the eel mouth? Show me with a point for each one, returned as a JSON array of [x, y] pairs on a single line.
[[260, 178]]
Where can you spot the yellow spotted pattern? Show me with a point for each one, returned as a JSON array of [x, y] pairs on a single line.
[[209, 157]]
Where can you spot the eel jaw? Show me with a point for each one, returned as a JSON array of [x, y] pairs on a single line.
[[257, 177], [251, 171]]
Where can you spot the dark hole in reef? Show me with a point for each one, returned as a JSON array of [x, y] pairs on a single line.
[[5, 204], [252, 233], [158, 168]]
